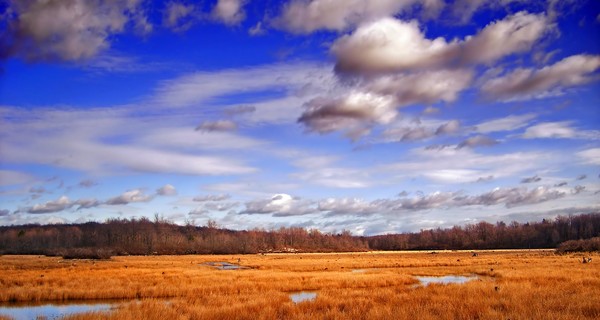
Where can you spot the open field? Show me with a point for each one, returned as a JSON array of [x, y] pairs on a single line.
[[377, 285]]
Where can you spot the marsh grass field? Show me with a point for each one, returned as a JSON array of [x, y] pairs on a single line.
[[515, 284]]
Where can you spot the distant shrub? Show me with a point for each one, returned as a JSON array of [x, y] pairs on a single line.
[[587, 245], [87, 253]]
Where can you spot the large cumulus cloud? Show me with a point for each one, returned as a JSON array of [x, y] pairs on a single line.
[[392, 45]]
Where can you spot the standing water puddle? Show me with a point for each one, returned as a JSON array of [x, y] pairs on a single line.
[[425, 281], [301, 296], [51, 310], [225, 265]]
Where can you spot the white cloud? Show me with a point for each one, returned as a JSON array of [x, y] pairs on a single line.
[[70, 29], [257, 30], [528, 83], [338, 15], [463, 10], [533, 179], [477, 141], [187, 138], [87, 183], [239, 110], [448, 128], [57, 205], [310, 162], [349, 114], [514, 197], [466, 165], [332, 177], [423, 87], [230, 12], [408, 133], [425, 202], [559, 129], [212, 197], [10, 177], [205, 87], [175, 13], [279, 205], [166, 190], [406, 129], [85, 141], [454, 175], [514, 34], [131, 196], [591, 156], [347, 206], [86, 203], [219, 125], [113, 62], [506, 197], [220, 206], [94, 157], [550, 130], [38, 190], [135, 195], [509, 123], [391, 45]]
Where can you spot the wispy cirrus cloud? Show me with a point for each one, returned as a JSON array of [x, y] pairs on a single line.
[[466, 165], [11, 177], [508, 123], [92, 148], [179, 16], [529, 83], [211, 197], [204, 87], [559, 130], [590, 156]]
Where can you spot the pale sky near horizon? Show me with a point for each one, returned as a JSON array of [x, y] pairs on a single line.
[[374, 116]]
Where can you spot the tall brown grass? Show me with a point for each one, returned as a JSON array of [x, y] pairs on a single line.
[[511, 284]]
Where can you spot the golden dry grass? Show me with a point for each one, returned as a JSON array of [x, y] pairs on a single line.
[[512, 284]]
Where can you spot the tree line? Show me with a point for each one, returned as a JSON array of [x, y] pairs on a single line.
[[159, 236], [484, 235]]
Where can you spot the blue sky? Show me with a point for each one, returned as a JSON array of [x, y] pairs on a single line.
[[369, 116]]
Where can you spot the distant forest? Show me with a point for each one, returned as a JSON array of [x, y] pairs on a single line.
[[146, 237]]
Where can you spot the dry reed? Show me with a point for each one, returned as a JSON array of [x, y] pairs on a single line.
[[511, 284]]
